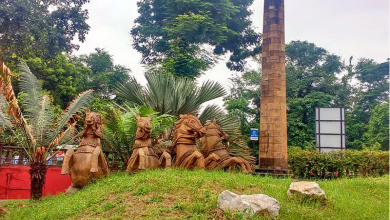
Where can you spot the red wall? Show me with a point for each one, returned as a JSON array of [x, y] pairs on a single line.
[[15, 182]]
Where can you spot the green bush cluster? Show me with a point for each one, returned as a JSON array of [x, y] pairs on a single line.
[[336, 164]]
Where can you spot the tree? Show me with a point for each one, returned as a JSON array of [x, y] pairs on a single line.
[[104, 75], [311, 78], [244, 100], [378, 127], [371, 91], [34, 125], [186, 37], [59, 76], [41, 28]]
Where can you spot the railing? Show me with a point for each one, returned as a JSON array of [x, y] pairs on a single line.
[[13, 155]]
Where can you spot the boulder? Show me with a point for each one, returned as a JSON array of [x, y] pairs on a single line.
[[308, 189], [251, 204]]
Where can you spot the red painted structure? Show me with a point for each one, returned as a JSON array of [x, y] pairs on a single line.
[[15, 182]]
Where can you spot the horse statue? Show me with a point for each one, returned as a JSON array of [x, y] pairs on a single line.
[[212, 145], [187, 130], [144, 156], [88, 161]]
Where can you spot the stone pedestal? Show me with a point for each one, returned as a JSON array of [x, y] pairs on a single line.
[[273, 115]]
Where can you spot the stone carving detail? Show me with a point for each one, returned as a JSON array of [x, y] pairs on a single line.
[[144, 156], [187, 130], [259, 204], [305, 188], [217, 156], [88, 161]]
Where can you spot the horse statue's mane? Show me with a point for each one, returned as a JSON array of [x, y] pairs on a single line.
[[187, 130], [177, 134]]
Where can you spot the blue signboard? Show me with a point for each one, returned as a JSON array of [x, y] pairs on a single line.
[[254, 134]]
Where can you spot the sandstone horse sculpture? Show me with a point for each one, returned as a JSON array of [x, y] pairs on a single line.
[[144, 156], [88, 161], [212, 145], [187, 130]]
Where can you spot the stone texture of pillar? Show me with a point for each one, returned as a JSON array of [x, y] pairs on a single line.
[[273, 115]]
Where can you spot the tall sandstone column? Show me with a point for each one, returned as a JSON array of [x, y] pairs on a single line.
[[273, 115]]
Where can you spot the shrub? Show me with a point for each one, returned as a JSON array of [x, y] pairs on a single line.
[[335, 164]]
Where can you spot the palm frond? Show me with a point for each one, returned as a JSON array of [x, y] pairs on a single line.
[[157, 90], [79, 103], [66, 137], [182, 95], [44, 120], [14, 111], [211, 112], [5, 121], [31, 89], [130, 91], [230, 124], [210, 90], [239, 148]]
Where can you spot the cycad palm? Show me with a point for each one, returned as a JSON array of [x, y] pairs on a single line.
[[36, 124]]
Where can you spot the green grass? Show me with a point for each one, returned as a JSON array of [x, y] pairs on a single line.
[[177, 194]]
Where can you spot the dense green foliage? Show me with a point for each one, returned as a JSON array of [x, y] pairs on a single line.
[[316, 78], [186, 37], [104, 74], [59, 76], [368, 119], [336, 164], [63, 77], [181, 194], [41, 28]]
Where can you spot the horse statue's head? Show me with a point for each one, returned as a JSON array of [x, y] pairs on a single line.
[[191, 124], [92, 122], [144, 127], [215, 129]]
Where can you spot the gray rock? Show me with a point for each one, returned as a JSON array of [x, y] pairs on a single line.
[[71, 190], [251, 204], [305, 188]]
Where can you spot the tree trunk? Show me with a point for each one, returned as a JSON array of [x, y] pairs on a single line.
[[37, 176]]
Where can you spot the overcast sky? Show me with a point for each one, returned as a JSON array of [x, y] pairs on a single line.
[[358, 28]]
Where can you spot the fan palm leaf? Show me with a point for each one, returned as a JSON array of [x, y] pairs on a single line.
[[166, 94], [130, 90], [230, 124]]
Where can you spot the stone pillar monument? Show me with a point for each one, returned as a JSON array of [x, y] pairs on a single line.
[[273, 115]]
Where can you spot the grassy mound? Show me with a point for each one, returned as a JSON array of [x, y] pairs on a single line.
[[181, 194]]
